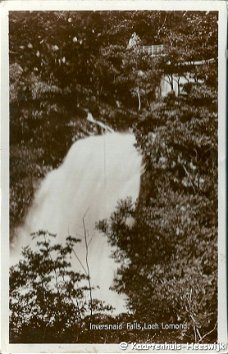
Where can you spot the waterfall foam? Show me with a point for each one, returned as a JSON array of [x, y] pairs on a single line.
[[96, 173]]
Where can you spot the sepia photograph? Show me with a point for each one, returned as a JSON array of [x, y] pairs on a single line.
[[113, 177]]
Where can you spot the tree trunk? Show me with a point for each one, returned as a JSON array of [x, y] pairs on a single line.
[[139, 99]]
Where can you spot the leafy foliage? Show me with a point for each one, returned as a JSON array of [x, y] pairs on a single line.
[[63, 64], [168, 254], [49, 301]]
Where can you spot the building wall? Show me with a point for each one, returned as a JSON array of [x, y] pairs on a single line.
[[165, 85]]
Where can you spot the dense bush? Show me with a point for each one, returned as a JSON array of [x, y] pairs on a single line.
[[49, 301], [168, 257]]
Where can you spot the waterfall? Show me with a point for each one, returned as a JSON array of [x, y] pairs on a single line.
[[96, 173]]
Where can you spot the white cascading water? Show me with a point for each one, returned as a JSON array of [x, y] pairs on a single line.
[[97, 172]]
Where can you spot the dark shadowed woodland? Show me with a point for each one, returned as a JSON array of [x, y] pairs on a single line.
[[151, 72]]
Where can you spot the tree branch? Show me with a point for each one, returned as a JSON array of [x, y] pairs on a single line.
[[88, 269]]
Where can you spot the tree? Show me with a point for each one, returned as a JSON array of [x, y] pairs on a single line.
[[49, 301], [168, 255]]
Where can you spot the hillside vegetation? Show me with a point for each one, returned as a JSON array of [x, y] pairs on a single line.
[[64, 64]]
